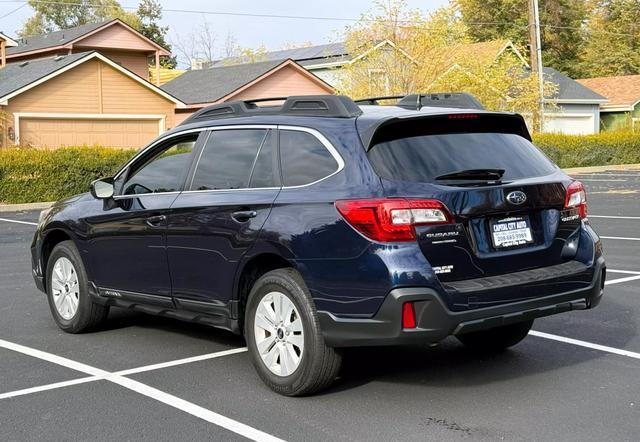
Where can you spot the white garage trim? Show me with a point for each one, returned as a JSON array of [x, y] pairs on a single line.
[[60, 116], [568, 114]]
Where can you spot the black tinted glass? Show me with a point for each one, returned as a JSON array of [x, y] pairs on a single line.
[[163, 173], [423, 158], [304, 158], [227, 159], [263, 174]]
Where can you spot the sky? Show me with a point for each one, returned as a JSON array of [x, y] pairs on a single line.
[[250, 32]]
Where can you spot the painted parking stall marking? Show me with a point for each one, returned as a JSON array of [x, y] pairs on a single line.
[[146, 390], [18, 221]]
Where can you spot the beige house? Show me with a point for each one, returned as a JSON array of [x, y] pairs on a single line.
[[113, 39], [89, 85], [80, 98]]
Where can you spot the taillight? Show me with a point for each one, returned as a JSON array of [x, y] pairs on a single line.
[[576, 198], [392, 219]]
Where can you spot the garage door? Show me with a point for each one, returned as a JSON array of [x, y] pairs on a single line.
[[569, 124], [56, 132]]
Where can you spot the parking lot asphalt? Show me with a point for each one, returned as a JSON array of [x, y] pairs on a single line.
[[575, 378]]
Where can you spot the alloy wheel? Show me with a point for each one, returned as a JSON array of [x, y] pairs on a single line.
[[279, 334], [65, 288]]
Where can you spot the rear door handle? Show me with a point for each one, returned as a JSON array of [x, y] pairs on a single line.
[[244, 215], [156, 221]]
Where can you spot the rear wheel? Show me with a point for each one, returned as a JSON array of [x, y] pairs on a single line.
[[284, 338], [498, 338], [68, 291]]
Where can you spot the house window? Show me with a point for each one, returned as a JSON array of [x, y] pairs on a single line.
[[378, 81]]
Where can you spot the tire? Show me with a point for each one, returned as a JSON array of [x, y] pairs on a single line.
[[317, 364], [65, 262], [496, 339]]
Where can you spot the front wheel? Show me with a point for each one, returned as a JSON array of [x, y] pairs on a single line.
[[284, 338], [498, 338], [68, 291]]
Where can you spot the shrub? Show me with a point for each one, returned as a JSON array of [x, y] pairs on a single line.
[[590, 150], [30, 175]]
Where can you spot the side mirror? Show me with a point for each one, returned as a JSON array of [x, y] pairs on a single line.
[[102, 189]]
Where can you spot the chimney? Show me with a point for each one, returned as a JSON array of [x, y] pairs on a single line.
[[3, 52]]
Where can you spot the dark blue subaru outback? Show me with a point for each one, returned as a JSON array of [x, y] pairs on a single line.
[[321, 224]]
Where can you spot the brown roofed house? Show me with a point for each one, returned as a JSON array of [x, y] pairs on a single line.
[[622, 111]]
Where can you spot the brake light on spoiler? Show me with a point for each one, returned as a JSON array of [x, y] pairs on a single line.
[[576, 198], [392, 219]]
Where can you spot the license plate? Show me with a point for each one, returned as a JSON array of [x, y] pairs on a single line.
[[510, 232]]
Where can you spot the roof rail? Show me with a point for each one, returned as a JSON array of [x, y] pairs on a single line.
[[375, 101], [439, 99], [338, 106]]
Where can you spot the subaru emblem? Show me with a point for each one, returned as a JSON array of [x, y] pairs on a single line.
[[516, 197]]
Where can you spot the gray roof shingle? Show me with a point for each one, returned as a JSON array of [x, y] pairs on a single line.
[[569, 89], [306, 56], [52, 39], [209, 85], [15, 76]]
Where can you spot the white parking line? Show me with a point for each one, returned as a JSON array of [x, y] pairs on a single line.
[[593, 179], [123, 372], [619, 280], [604, 348], [614, 217], [19, 222], [205, 357], [146, 390], [628, 272], [622, 238]]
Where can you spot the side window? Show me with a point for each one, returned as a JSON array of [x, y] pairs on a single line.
[[227, 159], [304, 158], [165, 171]]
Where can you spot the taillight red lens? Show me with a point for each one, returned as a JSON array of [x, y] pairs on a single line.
[[576, 198], [392, 219], [408, 315]]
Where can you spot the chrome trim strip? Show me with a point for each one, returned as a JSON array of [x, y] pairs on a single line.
[[138, 195]]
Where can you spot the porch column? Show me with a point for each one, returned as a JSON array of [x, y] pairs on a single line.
[[157, 68]]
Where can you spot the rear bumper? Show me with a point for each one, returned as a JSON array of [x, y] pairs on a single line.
[[435, 321]]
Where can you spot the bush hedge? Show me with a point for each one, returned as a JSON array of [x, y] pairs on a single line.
[[591, 150], [31, 175]]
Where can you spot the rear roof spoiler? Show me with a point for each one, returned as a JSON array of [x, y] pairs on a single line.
[[444, 123], [460, 100]]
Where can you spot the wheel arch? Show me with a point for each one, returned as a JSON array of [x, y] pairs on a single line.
[[50, 239], [252, 269]]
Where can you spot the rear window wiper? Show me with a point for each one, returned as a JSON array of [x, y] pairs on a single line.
[[473, 174]]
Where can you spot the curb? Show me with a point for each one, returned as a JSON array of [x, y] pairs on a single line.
[[619, 167], [27, 206]]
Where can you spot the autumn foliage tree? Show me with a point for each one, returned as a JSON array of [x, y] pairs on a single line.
[[400, 51]]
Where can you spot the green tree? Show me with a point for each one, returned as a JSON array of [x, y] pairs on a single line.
[[64, 14], [613, 39], [149, 13], [431, 54], [561, 20]]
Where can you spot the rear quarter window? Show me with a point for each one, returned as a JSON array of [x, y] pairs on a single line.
[[423, 158], [304, 158]]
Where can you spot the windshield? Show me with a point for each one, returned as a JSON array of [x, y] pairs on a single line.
[[423, 158]]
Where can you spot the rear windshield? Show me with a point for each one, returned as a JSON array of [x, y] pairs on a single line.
[[423, 158]]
